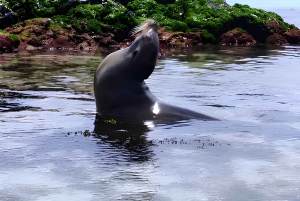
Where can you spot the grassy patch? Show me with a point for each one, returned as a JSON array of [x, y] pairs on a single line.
[[217, 1], [55, 27], [113, 14], [15, 39], [25, 34]]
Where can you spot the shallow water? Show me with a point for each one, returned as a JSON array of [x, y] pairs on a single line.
[[50, 151]]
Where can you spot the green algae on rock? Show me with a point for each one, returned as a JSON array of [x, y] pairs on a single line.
[[8, 42], [109, 23]]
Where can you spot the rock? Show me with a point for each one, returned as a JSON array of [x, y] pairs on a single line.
[[195, 38], [81, 27], [61, 42], [236, 37], [43, 22], [12, 30], [35, 42], [38, 31], [276, 39], [107, 41], [30, 48], [69, 27], [164, 37], [292, 36], [6, 45], [275, 27], [180, 39]]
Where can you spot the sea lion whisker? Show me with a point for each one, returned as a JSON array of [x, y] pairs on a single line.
[[138, 28]]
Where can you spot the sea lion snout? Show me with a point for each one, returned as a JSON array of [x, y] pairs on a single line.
[[150, 34], [152, 24]]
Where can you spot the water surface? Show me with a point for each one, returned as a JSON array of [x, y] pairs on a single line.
[[50, 150]]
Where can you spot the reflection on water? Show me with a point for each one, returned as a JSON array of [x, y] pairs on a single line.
[[50, 149]]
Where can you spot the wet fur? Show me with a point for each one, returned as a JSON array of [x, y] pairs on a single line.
[[119, 87]]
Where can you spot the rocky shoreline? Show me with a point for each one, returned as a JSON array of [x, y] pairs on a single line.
[[41, 34]]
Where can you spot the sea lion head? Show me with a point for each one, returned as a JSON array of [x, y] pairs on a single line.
[[119, 85], [144, 49]]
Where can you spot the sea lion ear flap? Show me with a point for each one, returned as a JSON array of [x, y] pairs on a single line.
[[134, 53]]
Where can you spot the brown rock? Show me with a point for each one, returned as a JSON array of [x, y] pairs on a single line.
[[180, 39], [16, 30], [45, 22], [292, 36], [6, 45], [82, 26], [275, 27], [107, 41], [85, 36], [236, 37], [276, 39], [38, 31], [61, 42], [164, 35], [35, 42], [50, 33], [194, 38]]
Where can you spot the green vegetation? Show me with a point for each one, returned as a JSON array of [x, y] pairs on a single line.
[[199, 15], [95, 16], [208, 37], [217, 1], [14, 38], [25, 34], [241, 30], [182, 16], [27, 9]]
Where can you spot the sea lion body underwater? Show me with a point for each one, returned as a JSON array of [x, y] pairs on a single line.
[[119, 87]]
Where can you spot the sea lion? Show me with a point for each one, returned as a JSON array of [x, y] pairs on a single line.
[[120, 91]]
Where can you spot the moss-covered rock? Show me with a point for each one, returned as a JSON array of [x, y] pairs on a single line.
[[185, 22], [215, 21], [42, 33], [8, 42], [110, 15]]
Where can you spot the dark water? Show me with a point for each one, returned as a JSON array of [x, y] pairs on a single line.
[[50, 151]]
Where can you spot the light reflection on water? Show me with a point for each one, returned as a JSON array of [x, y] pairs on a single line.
[[47, 105]]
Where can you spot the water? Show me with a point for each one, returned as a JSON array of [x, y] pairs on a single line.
[[50, 151]]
